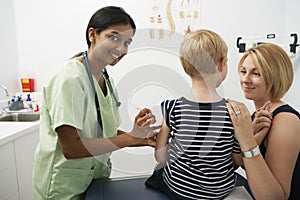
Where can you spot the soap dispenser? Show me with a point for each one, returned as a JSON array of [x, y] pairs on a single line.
[[28, 103]]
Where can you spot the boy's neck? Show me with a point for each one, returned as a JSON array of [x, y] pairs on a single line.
[[202, 91]]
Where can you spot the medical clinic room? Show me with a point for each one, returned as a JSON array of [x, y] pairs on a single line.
[[151, 100]]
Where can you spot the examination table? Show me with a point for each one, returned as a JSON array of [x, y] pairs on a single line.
[[134, 188]]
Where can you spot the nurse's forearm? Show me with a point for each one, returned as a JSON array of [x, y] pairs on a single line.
[[73, 146], [142, 143], [98, 146]]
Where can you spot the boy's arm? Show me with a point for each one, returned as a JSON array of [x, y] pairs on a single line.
[[237, 160], [162, 140]]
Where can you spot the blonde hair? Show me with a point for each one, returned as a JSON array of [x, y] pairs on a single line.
[[274, 65], [201, 51]]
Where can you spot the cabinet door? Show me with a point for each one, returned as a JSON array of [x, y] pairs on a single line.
[[24, 150], [14, 197], [8, 176]]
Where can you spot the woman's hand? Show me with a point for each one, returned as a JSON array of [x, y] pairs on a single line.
[[241, 120], [263, 118], [262, 122]]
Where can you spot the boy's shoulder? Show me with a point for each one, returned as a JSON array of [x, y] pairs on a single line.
[[170, 101]]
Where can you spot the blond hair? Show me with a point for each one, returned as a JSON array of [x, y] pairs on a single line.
[[201, 51], [274, 65]]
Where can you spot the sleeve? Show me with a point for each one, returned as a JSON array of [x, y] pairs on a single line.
[[167, 107], [67, 105], [236, 146]]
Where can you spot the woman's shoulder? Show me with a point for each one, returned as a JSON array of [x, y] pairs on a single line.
[[286, 119], [286, 108]]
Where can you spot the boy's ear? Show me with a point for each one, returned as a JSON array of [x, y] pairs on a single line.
[[222, 64]]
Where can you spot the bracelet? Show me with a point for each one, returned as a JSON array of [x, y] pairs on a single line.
[[251, 153]]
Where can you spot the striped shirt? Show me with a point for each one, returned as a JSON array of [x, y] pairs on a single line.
[[202, 142]]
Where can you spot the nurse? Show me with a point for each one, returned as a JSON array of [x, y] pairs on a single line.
[[79, 118]]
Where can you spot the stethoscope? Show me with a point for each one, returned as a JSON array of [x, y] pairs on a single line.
[[105, 76]]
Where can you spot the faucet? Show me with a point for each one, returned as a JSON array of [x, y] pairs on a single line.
[[5, 90], [3, 109]]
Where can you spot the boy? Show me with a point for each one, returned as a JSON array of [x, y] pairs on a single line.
[[196, 147]]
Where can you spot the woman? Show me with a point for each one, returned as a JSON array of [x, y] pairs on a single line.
[[273, 169], [75, 137]]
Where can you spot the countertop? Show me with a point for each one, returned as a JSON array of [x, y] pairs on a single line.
[[10, 131]]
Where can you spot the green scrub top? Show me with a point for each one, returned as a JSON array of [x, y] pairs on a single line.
[[68, 99]]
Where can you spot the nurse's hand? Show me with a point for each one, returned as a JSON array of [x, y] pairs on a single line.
[[142, 131], [144, 118]]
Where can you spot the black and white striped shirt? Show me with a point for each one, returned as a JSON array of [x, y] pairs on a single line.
[[200, 149]]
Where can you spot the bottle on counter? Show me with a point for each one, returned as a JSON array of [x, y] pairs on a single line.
[[28, 103], [35, 106]]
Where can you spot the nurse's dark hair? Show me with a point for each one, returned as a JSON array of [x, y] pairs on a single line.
[[106, 17]]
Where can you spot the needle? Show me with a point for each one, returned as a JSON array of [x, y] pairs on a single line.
[[137, 107]]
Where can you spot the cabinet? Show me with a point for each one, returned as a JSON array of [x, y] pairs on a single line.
[[24, 154], [8, 173], [16, 166]]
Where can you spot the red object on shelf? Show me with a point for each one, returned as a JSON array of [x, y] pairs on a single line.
[[27, 84]]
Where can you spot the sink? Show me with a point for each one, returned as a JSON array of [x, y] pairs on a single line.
[[20, 117]]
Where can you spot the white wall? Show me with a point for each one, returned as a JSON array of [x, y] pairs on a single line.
[[40, 35], [49, 32], [291, 25], [236, 18], [8, 49]]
